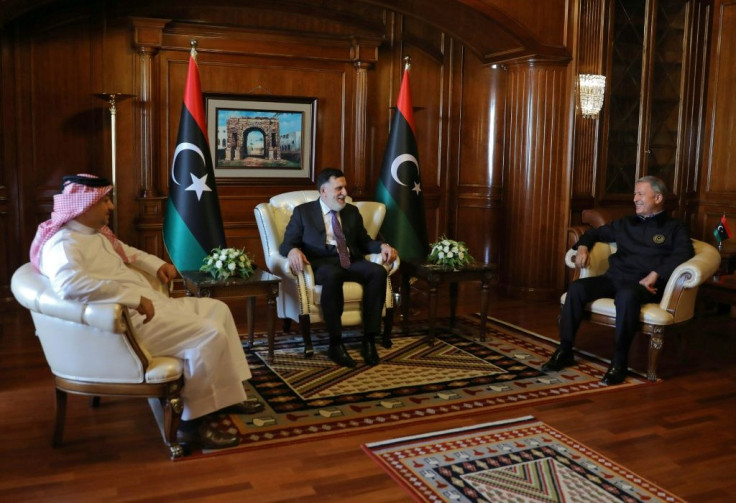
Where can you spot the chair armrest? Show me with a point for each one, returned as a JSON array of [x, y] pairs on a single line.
[[598, 259], [279, 265], [689, 275], [378, 259]]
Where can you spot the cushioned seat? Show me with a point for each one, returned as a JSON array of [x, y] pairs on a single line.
[[299, 296], [92, 350], [678, 300]]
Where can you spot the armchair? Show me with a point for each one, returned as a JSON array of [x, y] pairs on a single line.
[[92, 350], [678, 301], [299, 295]]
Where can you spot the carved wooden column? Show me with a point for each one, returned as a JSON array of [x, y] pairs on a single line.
[[535, 178], [364, 54], [147, 39], [361, 97]]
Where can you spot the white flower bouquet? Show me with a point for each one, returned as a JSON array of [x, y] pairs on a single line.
[[450, 253], [223, 263]]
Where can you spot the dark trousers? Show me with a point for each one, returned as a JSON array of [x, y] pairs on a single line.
[[331, 276], [628, 299]]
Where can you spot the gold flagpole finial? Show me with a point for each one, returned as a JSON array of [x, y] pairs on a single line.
[[407, 63], [193, 52]]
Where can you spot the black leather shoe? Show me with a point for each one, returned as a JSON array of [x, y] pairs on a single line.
[[614, 375], [208, 438], [369, 353], [250, 406], [560, 359], [386, 341], [339, 355]]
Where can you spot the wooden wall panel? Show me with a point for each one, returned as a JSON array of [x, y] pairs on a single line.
[[479, 170], [586, 138], [723, 118], [535, 179], [718, 176], [474, 157]]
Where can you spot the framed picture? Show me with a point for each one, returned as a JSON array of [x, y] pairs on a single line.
[[268, 139]]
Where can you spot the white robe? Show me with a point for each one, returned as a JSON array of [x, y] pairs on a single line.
[[82, 265]]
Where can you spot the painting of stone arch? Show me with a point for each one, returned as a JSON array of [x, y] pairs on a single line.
[[262, 138]]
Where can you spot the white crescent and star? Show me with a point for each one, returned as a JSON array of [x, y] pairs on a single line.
[[398, 161], [199, 185]]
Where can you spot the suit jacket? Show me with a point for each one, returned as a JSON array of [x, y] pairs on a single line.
[[306, 230]]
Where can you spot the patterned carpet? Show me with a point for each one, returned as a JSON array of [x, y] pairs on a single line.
[[312, 398], [521, 460]]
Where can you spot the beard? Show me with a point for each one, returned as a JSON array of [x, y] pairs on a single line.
[[336, 205]]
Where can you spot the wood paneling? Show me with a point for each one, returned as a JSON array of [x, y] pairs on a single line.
[[497, 154], [723, 106], [535, 178], [586, 140], [717, 178]]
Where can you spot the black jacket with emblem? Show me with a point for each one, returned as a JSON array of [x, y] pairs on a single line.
[[658, 244]]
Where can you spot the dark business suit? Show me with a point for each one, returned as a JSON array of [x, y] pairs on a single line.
[[306, 230], [657, 244]]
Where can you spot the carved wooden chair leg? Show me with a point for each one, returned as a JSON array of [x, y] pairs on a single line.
[[60, 417], [173, 408], [656, 341], [306, 326], [388, 325]]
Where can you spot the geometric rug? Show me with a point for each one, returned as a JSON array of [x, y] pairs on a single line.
[[521, 460], [311, 398]]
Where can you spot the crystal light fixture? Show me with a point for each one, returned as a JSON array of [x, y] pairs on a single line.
[[592, 89]]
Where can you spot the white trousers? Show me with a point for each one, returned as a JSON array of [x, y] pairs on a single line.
[[202, 333]]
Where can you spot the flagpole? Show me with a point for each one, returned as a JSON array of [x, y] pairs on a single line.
[[113, 99]]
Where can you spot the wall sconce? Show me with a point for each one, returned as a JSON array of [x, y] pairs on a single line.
[[592, 90]]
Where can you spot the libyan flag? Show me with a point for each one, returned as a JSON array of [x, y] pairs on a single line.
[[722, 232], [193, 223], [400, 186]]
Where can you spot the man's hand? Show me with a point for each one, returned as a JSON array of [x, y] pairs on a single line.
[[649, 281], [582, 258], [297, 260], [388, 253], [145, 308], [166, 273]]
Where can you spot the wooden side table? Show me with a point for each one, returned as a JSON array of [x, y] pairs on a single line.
[[722, 290], [434, 276], [260, 284]]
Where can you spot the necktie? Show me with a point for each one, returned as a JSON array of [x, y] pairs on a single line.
[[342, 245]]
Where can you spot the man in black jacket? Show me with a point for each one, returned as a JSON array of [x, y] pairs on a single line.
[[650, 245], [329, 235]]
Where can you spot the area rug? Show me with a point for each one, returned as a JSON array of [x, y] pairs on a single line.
[[313, 398], [520, 460]]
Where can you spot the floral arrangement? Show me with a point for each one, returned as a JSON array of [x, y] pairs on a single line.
[[450, 253], [223, 263]]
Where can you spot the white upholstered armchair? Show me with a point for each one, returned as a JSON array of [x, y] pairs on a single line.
[[678, 301], [92, 350], [299, 296]]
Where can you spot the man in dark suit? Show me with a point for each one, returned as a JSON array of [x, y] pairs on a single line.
[[329, 235], [650, 245]]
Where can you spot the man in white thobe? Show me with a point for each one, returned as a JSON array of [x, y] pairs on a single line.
[[84, 261]]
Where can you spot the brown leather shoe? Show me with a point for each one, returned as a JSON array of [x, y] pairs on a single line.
[[250, 406], [207, 437]]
